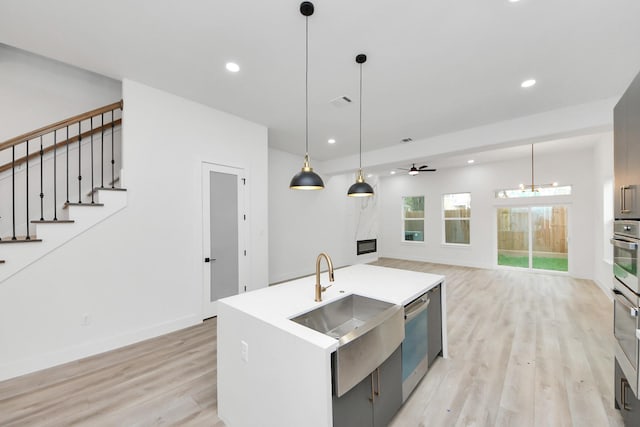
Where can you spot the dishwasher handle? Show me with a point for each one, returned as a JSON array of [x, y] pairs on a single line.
[[415, 308]]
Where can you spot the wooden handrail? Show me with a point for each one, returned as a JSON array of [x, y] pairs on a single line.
[[59, 145], [59, 125]]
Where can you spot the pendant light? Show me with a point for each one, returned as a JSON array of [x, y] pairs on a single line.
[[532, 188], [360, 188], [306, 179], [535, 188]]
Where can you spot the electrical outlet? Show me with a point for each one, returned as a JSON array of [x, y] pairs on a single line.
[[244, 351]]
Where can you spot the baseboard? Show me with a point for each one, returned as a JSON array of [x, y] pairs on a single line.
[[438, 261], [605, 289], [70, 354]]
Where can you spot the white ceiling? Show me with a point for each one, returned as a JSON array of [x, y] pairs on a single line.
[[547, 148], [434, 66]]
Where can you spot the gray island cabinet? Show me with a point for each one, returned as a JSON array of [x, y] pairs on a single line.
[[375, 400], [434, 346], [273, 371]]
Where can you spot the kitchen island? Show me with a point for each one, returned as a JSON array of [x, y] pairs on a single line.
[[275, 372]]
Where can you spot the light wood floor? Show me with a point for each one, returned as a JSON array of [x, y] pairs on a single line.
[[525, 350]]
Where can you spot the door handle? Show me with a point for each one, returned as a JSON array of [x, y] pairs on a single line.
[[378, 377], [209, 259], [623, 199], [372, 398], [623, 393]]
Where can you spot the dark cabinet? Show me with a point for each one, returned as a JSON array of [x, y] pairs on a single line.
[[626, 401], [434, 334], [375, 400], [626, 152]]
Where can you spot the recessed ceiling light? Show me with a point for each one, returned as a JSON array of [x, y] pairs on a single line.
[[233, 67], [528, 83], [370, 175], [471, 161], [514, 1], [393, 172], [331, 141], [555, 184]]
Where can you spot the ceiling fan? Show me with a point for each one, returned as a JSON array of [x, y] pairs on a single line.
[[416, 170]]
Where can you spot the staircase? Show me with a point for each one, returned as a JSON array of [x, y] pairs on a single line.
[[57, 182]]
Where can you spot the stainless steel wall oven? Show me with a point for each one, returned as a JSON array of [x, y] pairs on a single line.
[[625, 241], [626, 244]]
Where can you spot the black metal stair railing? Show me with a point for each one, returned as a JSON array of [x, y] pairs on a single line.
[[48, 142]]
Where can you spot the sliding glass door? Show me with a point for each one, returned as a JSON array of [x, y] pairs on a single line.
[[513, 237], [534, 237]]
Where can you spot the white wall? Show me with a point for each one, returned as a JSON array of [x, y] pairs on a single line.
[[140, 273], [304, 223], [603, 212], [575, 168], [37, 91]]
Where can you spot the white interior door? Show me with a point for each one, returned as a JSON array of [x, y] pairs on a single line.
[[223, 234]]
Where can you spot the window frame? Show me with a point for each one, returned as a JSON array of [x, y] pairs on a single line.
[[403, 219], [445, 219]]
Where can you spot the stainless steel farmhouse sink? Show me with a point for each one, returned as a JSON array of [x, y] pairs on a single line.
[[367, 330]]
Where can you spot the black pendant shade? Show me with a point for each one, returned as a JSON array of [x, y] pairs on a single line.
[[306, 179], [360, 188]]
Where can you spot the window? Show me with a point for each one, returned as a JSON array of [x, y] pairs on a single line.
[[413, 218], [540, 190], [457, 217]]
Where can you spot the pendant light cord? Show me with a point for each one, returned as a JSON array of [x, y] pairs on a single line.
[[532, 181], [360, 116], [306, 85]]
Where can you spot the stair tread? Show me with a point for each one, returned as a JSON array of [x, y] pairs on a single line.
[[51, 221], [82, 204], [109, 189], [20, 239]]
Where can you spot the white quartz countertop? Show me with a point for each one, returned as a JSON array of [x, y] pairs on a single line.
[[277, 304]]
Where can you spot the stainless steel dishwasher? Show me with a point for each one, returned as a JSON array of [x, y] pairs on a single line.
[[415, 360]]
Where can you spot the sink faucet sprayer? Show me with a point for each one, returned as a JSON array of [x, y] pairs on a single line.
[[319, 288]]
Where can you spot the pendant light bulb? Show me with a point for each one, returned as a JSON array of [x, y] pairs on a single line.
[[360, 188], [306, 179]]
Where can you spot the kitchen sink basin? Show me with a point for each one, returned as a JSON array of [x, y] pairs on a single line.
[[367, 330]]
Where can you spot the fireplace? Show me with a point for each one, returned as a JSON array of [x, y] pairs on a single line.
[[366, 246]]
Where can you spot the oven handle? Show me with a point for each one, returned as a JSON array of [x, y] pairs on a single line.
[[624, 244], [619, 296], [415, 309]]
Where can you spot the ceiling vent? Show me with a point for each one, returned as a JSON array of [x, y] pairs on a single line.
[[405, 140], [340, 101]]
